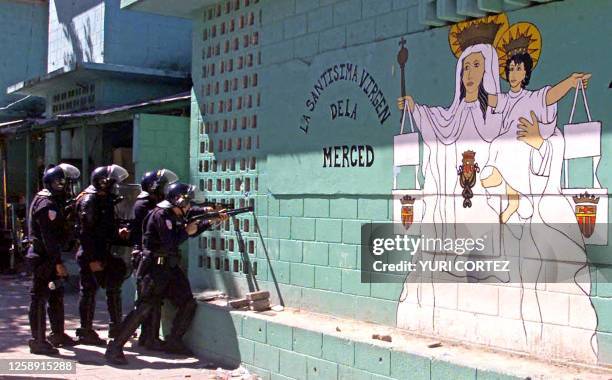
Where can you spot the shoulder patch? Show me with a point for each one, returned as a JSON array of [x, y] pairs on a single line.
[[52, 215], [168, 224]]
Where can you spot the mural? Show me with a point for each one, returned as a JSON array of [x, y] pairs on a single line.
[[500, 160]]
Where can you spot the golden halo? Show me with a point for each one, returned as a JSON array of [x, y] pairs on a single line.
[[520, 37], [485, 30]]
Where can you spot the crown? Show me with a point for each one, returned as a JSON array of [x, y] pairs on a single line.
[[469, 155], [518, 45], [484, 30], [586, 198], [407, 200]]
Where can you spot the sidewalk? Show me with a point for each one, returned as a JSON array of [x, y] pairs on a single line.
[[143, 364]]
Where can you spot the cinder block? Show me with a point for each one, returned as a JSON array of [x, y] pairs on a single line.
[[373, 209], [280, 336], [303, 228], [408, 366], [306, 46], [278, 11], [359, 32], [352, 284], [338, 350], [329, 230], [489, 375], [305, 5], [324, 301], [316, 253], [374, 8], [328, 278], [441, 370], [293, 365], [397, 4], [345, 208], [292, 207], [321, 369], [260, 305], [302, 275], [351, 373], [279, 271], [387, 286], [307, 342], [320, 19], [373, 358], [254, 329], [279, 227], [391, 25], [291, 250], [276, 376], [247, 350], [346, 12], [264, 374], [295, 26], [332, 39], [376, 310], [269, 249], [351, 231], [273, 206], [278, 52], [266, 357], [316, 207], [272, 33], [343, 256]]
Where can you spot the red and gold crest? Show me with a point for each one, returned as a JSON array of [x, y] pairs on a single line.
[[407, 211], [586, 212]]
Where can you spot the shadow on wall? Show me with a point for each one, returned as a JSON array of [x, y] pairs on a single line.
[[80, 39]]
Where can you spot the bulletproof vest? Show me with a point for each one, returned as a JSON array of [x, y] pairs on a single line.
[[104, 219], [151, 239], [41, 200]]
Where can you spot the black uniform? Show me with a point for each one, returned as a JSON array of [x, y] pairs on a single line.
[[47, 229], [162, 276], [98, 231], [150, 327]]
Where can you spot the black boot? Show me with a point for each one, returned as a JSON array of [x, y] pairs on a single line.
[[55, 309], [114, 354], [175, 345], [114, 350], [113, 301], [89, 337], [154, 321], [38, 344], [87, 308], [62, 339]]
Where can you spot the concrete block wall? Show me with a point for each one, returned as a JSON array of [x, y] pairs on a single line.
[[306, 246]]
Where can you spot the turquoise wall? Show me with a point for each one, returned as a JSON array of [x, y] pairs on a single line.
[[23, 33], [309, 216]]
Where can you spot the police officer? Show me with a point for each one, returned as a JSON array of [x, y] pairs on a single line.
[[47, 228], [165, 229], [153, 185], [98, 228]]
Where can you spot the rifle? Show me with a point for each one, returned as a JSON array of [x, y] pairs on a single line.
[[201, 214]]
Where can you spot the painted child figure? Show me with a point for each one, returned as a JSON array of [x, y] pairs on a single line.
[[529, 119]]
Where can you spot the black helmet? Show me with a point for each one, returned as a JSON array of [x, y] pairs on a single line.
[[180, 194], [155, 182], [105, 177], [58, 178]]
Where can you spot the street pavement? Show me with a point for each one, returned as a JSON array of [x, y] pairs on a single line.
[[90, 363]]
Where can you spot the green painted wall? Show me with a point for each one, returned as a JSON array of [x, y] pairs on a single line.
[[160, 141], [309, 217]]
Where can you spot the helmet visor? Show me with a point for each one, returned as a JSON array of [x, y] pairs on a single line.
[[70, 172], [169, 176], [117, 173]]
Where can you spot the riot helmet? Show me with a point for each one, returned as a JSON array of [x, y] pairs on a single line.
[[59, 179], [180, 194], [155, 182], [107, 177]]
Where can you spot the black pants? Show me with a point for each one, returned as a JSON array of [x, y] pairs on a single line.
[[43, 272], [159, 282], [110, 278]]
